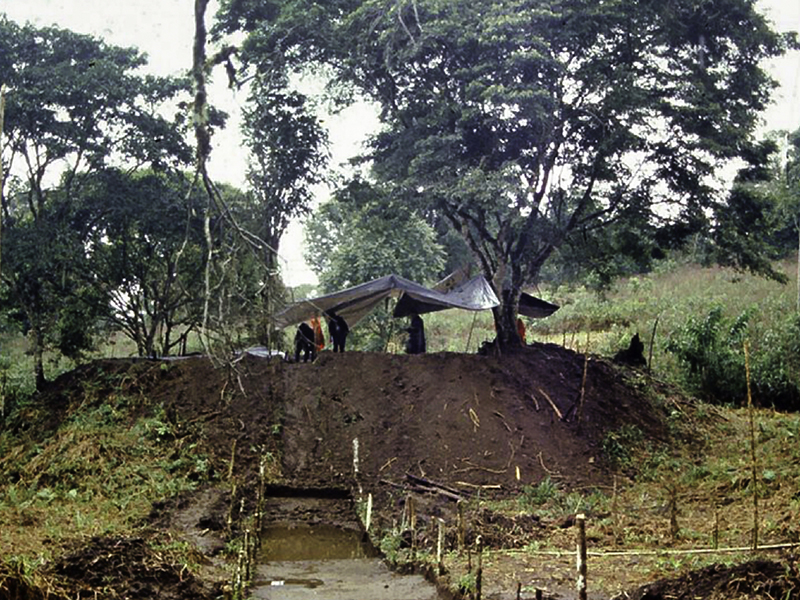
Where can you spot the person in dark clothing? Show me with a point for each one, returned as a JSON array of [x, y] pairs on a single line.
[[633, 355], [416, 336], [304, 343], [338, 330]]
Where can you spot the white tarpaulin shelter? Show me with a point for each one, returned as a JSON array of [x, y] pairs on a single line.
[[356, 302]]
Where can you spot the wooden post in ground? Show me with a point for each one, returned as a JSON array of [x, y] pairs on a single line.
[[583, 379], [752, 444], [580, 519], [460, 527], [233, 460], [412, 522], [440, 547], [652, 339], [615, 513], [479, 571], [674, 529]]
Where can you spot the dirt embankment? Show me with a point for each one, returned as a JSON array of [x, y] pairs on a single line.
[[444, 426]]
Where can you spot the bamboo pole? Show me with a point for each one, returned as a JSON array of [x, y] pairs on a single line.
[[691, 551], [752, 444], [2, 176], [471, 327], [580, 519]]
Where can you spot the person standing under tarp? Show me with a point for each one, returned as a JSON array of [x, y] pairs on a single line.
[[319, 337], [338, 330], [416, 336], [521, 331]]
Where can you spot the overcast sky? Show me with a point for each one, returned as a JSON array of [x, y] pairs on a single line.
[[163, 29]]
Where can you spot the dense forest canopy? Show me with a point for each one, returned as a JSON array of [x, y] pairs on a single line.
[[515, 135], [528, 123]]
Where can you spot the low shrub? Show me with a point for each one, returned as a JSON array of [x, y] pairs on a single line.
[[710, 353]]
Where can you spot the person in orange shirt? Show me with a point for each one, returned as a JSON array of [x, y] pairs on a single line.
[[319, 337], [521, 331]]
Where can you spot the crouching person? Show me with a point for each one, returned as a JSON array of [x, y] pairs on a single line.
[[304, 343]]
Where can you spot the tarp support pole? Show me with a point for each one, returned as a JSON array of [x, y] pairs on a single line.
[[469, 338]]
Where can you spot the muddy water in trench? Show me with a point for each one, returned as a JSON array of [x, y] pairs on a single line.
[[303, 560]]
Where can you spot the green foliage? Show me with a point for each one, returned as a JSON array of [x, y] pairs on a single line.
[[710, 350], [78, 106], [98, 473], [527, 125], [711, 356], [288, 151], [534, 496], [360, 235], [620, 445]]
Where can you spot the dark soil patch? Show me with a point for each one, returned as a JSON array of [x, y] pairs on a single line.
[[126, 568], [754, 580]]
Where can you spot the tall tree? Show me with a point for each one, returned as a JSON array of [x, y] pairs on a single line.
[[362, 234], [146, 250], [526, 122], [288, 153], [74, 105]]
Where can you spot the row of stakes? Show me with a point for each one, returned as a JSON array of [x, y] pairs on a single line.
[[410, 517]]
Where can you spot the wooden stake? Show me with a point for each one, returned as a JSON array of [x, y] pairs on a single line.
[[230, 509], [583, 380], [479, 572], [615, 512], [752, 444], [460, 527], [368, 518], [674, 530], [652, 339], [440, 547], [412, 519], [233, 457], [580, 519], [553, 404]]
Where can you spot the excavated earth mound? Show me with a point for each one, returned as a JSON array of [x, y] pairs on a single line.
[[443, 425], [372, 419]]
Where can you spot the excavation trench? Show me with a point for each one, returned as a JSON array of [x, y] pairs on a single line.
[[315, 547]]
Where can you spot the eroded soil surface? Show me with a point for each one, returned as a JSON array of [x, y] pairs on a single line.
[[440, 427]]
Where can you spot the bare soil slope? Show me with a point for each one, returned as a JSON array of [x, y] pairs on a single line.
[[463, 421]]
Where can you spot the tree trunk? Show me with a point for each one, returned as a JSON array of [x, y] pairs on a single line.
[[505, 320], [37, 340]]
